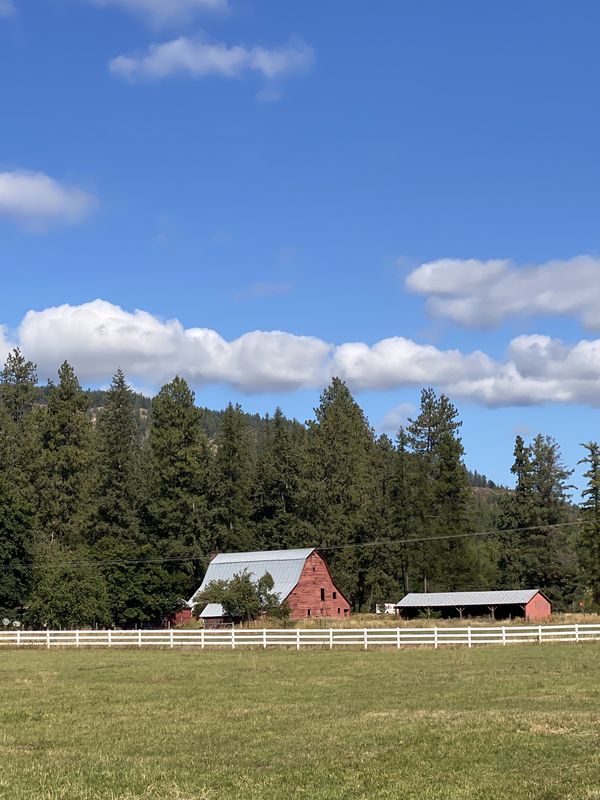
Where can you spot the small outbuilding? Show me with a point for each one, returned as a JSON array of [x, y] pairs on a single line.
[[301, 578], [529, 604]]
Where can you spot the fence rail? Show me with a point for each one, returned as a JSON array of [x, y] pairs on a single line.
[[303, 637]]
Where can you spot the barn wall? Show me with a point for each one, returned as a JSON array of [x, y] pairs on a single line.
[[306, 596], [538, 608]]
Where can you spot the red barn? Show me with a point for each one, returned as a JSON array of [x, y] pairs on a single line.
[[301, 579]]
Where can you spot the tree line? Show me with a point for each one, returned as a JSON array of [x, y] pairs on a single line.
[[110, 514]]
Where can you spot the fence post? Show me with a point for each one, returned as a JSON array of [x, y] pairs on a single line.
[[232, 638], [366, 638], [48, 638], [297, 638], [576, 631], [171, 638], [140, 638], [539, 634], [469, 636], [398, 638], [264, 638], [331, 638], [76, 638], [503, 634], [202, 638], [435, 637], [109, 637]]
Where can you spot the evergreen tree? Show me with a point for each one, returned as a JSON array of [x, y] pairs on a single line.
[[278, 487], [118, 465], [442, 503], [343, 488], [66, 472], [590, 509], [19, 448], [231, 485], [177, 461], [68, 592]]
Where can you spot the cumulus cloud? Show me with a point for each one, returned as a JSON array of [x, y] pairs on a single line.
[[39, 202], [98, 337], [396, 418], [7, 9], [199, 58], [165, 12], [484, 293]]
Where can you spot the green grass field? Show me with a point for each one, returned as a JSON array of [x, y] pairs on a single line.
[[517, 722]]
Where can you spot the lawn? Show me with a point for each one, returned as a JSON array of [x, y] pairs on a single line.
[[517, 722]]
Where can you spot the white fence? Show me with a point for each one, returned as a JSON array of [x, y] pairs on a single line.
[[298, 638]]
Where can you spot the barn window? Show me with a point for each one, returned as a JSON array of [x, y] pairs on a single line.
[[308, 612], [335, 595], [322, 595], [338, 611]]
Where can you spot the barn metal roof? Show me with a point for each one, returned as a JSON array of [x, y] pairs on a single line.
[[213, 610], [455, 599], [284, 566]]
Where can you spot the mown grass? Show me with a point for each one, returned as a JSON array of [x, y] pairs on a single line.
[[518, 722]]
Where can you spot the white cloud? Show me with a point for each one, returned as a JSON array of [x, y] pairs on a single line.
[[484, 293], [396, 418], [7, 9], [165, 12], [98, 337], [39, 202], [199, 58]]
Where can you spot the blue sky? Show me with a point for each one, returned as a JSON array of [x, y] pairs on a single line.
[[422, 175]]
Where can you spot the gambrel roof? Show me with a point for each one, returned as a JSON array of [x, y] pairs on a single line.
[[284, 566]]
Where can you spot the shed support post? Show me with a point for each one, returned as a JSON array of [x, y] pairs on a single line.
[[492, 611]]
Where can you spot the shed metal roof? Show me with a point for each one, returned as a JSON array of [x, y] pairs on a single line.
[[213, 610], [456, 599], [284, 566]]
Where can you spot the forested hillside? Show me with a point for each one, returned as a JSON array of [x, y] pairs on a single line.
[[112, 504]]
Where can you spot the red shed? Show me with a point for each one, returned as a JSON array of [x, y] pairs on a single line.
[[301, 579], [531, 604]]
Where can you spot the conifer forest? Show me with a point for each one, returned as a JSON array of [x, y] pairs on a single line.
[[111, 504]]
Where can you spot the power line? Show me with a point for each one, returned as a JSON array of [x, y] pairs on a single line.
[[353, 545]]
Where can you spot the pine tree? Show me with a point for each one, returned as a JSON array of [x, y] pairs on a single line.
[[231, 485], [118, 465], [343, 488], [277, 493], [66, 472], [590, 509], [177, 462], [19, 448], [140, 588], [442, 503]]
